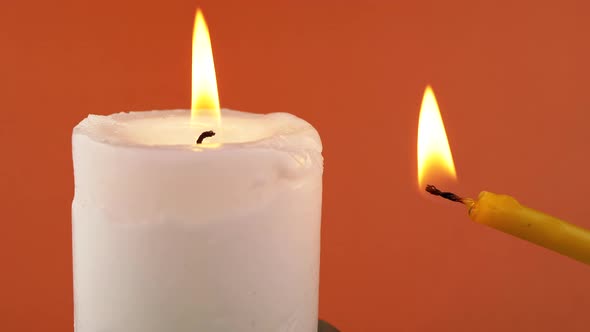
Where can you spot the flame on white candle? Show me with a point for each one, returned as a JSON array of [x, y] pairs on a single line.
[[204, 96]]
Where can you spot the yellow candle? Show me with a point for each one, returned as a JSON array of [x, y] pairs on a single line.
[[501, 212], [504, 213]]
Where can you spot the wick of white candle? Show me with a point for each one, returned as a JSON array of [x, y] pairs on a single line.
[[205, 134]]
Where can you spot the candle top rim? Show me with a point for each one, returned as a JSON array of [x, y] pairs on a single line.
[[173, 130]]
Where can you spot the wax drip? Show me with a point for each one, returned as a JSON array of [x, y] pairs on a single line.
[[205, 134]]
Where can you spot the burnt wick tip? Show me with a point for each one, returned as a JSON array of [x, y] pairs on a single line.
[[205, 134], [444, 194]]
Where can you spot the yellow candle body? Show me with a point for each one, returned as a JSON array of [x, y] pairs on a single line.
[[504, 213]]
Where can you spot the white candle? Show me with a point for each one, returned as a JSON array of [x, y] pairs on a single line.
[[170, 236]]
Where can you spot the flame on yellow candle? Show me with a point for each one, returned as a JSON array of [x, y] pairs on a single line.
[[204, 97], [434, 152]]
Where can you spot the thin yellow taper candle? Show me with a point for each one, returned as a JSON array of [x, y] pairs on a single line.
[[501, 212], [504, 213]]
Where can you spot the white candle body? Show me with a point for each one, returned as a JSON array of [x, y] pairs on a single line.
[[171, 237]]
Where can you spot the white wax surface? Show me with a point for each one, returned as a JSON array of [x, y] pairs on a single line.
[[170, 236]]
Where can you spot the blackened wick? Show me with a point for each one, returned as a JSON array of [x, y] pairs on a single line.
[[444, 194], [205, 134]]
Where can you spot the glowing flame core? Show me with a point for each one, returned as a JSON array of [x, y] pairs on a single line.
[[434, 152]]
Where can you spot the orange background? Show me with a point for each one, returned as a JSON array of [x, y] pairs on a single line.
[[511, 79]]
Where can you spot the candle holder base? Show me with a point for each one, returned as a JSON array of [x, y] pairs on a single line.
[[324, 326]]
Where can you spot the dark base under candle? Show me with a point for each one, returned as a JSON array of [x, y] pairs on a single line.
[[324, 326]]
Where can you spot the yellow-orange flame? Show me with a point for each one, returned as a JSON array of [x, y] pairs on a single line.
[[204, 97], [434, 154]]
